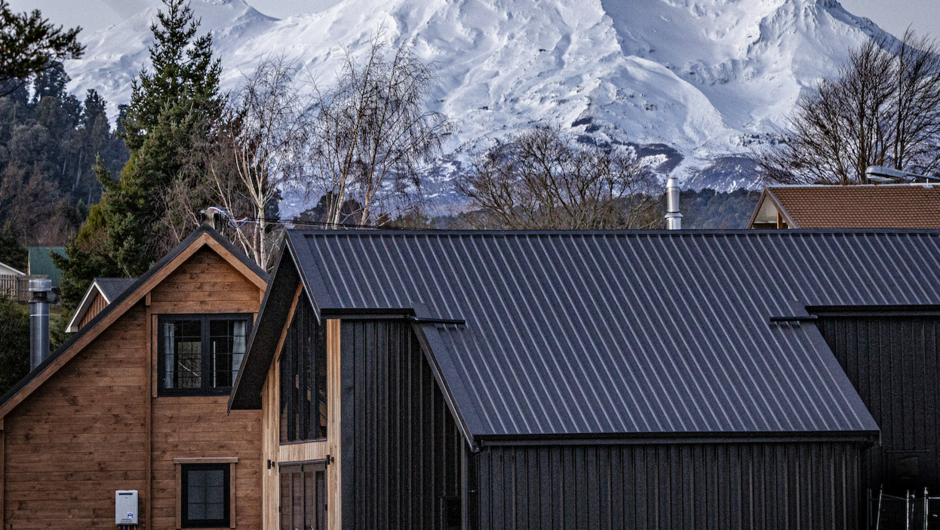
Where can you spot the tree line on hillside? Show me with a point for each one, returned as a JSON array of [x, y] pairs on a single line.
[[50, 140], [50, 143]]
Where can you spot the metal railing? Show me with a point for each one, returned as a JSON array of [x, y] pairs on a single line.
[[916, 510], [16, 287]]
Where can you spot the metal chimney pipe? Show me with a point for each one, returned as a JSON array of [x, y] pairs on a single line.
[[673, 217], [39, 322]]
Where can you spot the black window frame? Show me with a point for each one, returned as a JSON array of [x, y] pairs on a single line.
[[225, 521], [205, 319]]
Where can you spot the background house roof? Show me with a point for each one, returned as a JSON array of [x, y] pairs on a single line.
[[627, 333], [40, 263], [882, 206], [110, 289]]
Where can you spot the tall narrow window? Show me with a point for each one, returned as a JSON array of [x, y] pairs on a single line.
[[200, 354], [303, 378], [303, 496]]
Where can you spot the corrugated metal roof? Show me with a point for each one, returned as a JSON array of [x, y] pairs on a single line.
[[629, 332]]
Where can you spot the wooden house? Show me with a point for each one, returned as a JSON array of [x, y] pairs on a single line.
[[137, 399], [445, 380], [890, 206]]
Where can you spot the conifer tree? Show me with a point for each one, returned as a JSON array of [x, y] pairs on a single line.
[[173, 103]]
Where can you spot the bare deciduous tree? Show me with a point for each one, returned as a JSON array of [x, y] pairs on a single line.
[[882, 108], [256, 151], [374, 132], [541, 180]]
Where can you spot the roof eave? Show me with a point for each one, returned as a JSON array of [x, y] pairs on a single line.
[[864, 437]]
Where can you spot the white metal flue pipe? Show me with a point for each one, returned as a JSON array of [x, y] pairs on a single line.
[[673, 217]]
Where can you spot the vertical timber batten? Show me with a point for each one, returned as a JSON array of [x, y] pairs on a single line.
[[664, 486], [334, 426], [270, 410], [401, 446], [148, 446]]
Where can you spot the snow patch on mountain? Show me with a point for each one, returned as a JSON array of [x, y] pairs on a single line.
[[706, 79]]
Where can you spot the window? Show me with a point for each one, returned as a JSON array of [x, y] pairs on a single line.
[[205, 495], [200, 354], [303, 496], [303, 411]]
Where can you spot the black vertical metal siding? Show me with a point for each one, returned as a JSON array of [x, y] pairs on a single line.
[[892, 361], [702, 486], [400, 445]]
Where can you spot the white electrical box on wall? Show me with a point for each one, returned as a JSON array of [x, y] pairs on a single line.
[[125, 507]]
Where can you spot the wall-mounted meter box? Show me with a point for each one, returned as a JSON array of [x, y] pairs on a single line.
[[125, 507]]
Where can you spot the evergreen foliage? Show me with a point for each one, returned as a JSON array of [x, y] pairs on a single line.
[[717, 210], [30, 45], [173, 104], [48, 146], [14, 343], [12, 251]]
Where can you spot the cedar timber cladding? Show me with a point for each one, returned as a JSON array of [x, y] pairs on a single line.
[[97, 306], [88, 421], [101, 292]]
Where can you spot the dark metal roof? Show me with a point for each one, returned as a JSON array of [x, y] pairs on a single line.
[[628, 333], [111, 288], [137, 284]]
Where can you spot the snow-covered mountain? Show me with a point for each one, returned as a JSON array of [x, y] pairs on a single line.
[[694, 83]]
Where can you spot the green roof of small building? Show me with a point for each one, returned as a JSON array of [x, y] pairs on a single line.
[[40, 263]]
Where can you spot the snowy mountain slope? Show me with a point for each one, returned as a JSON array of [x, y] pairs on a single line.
[[704, 77]]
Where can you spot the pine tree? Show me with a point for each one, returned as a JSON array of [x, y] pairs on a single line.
[[172, 104], [170, 107]]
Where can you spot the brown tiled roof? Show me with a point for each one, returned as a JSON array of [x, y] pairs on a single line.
[[891, 206]]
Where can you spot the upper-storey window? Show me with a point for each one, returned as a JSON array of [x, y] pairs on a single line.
[[200, 354], [303, 378]]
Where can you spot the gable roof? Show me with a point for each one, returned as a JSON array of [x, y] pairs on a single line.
[[5, 267], [204, 236], [108, 288], [587, 334], [892, 206]]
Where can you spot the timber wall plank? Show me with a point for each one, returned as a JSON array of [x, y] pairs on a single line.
[[199, 426], [97, 305], [62, 468]]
